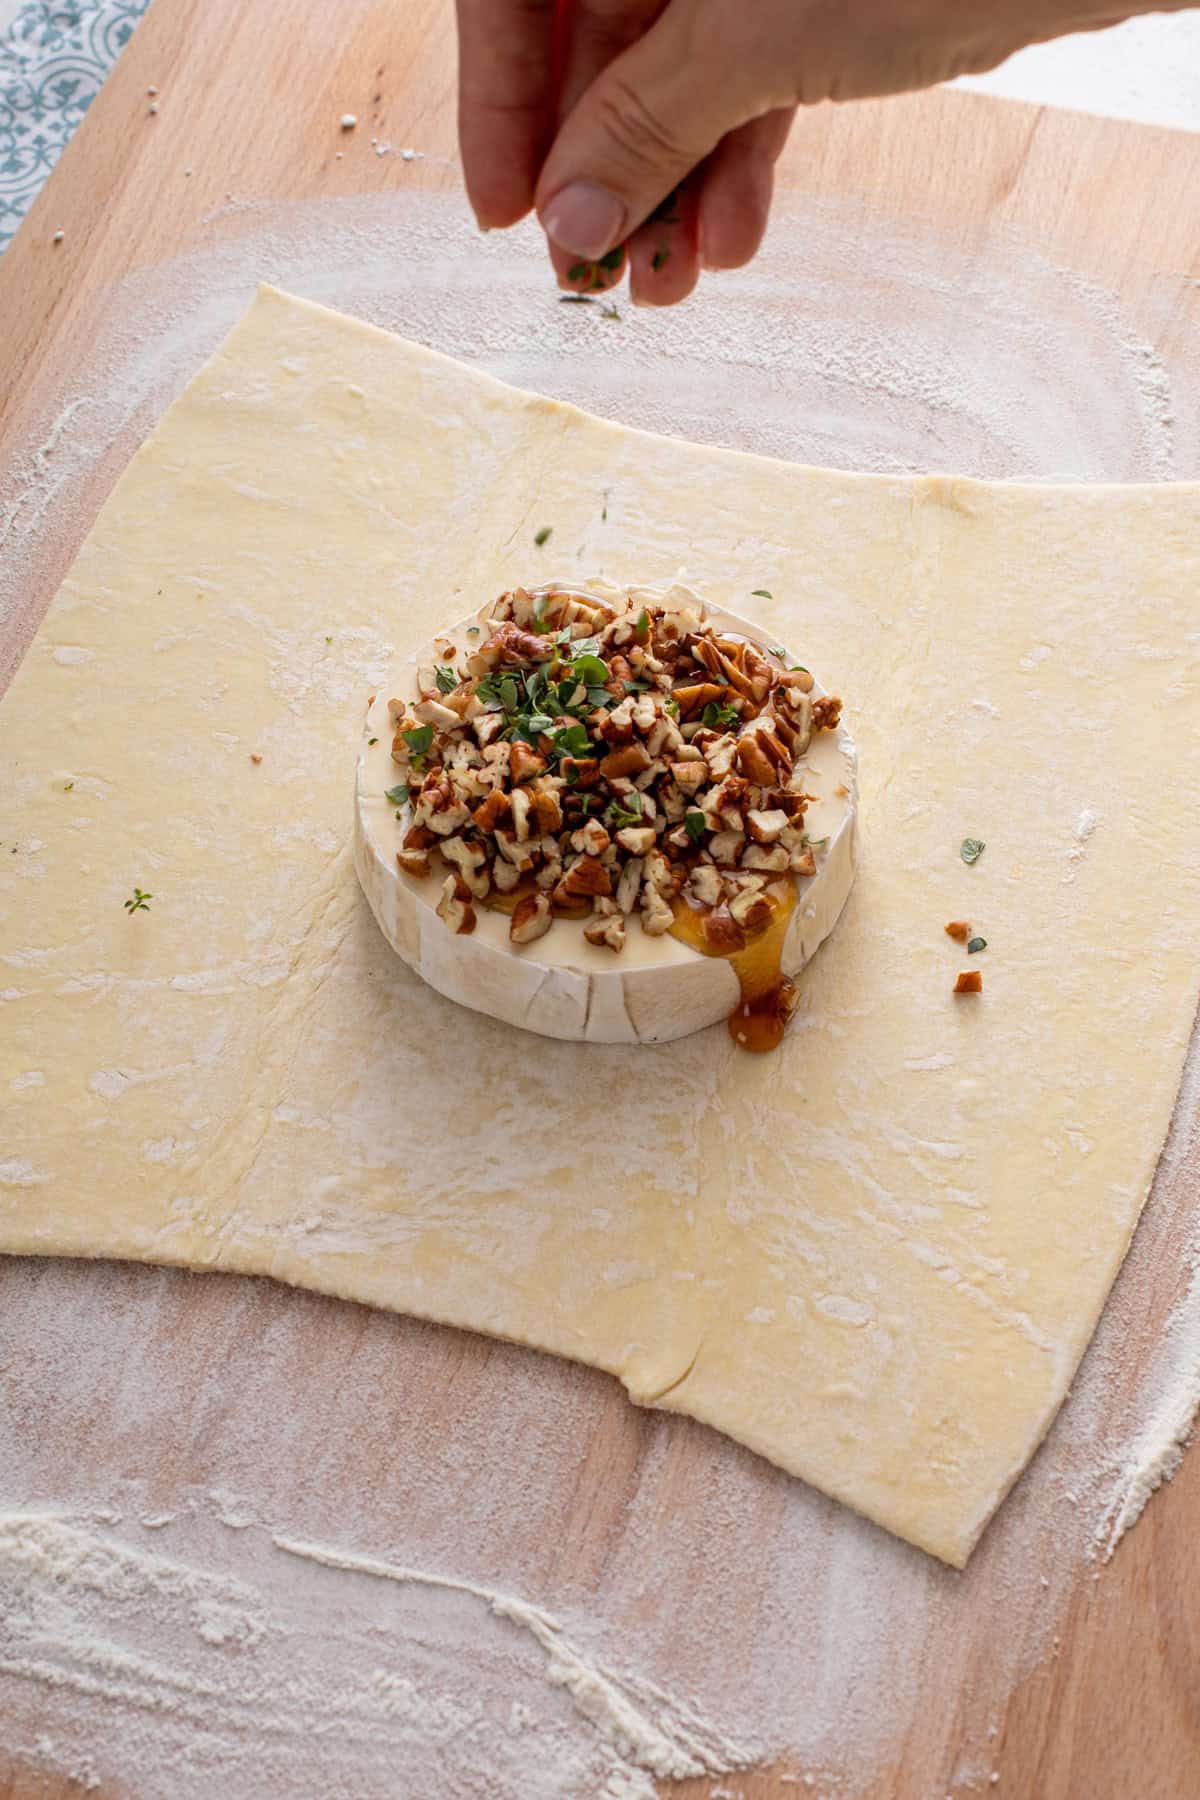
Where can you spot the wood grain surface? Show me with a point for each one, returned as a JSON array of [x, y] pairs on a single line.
[[250, 96]]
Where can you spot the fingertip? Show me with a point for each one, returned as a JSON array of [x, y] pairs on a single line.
[[734, 207], [577, 276], [664, 262], [499, 196], [739, 185], [662, 273]]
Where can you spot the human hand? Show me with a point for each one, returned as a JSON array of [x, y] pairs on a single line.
[[597, 112]]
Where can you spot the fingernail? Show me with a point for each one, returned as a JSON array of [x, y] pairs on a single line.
[[584, 219]]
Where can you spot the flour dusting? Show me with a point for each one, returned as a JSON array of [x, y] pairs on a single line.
[[191, 1658], [1159, 1446], [243, 1624], [665, 1747]]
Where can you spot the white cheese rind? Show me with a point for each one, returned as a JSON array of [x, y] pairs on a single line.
[[561, 986]]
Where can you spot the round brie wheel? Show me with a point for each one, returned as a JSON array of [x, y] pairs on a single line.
[[656, 988]]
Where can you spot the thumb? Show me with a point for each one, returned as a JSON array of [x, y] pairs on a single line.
[[644, 124]]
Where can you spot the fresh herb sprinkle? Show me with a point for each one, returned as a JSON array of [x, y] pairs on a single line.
[[717, 717]]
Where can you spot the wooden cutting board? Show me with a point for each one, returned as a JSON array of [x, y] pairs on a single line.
[[250, 94]]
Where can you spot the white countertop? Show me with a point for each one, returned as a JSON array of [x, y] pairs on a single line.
[[1147, 69]]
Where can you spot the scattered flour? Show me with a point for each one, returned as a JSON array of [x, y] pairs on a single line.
[[489, 1607], [1085, 830], [1169, 1399], [664, 1747], [1158, 1448], [243, 1672]]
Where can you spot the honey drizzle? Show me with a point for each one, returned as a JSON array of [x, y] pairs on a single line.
[[508, 902], [768, 998]]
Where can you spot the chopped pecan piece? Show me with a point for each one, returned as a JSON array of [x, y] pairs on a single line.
[[630, 759], [752, 910], [637, 839], [547, 809], [725, 847], [455, 908], [693, 697], [765, 827], [591, 839], [491, 811], [413, 863], [582, 773], [753, 760], [629, 885], [525, 763], [774, 857], [704, 885], [586, 876], [616, 727], [658, 915], [689, 776], [471, 862], [607, 930], [509, 648], [531, 919], [721, 932]]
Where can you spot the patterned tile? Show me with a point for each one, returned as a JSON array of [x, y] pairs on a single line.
[[53, 60]]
